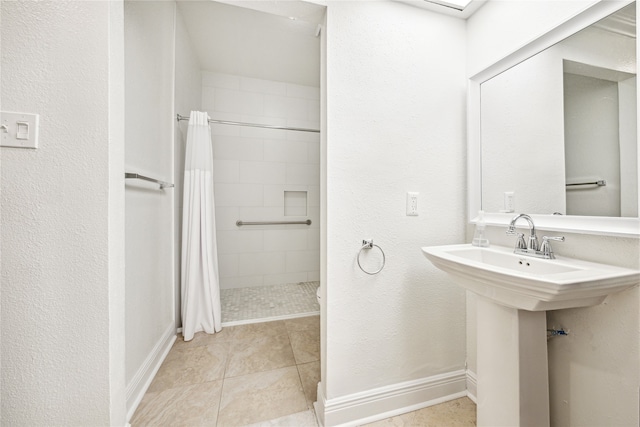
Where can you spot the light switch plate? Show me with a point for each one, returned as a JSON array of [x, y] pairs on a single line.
[[18, 130]]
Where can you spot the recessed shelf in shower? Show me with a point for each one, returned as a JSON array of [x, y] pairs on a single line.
[[295, 203]]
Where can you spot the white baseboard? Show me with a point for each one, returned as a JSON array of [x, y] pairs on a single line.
[[385, 402], [318, 409], [141, 381], [472, 386]]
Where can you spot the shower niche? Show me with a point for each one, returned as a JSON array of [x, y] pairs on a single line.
[[295, 203]]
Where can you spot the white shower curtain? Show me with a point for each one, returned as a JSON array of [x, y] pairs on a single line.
[[200, 282]]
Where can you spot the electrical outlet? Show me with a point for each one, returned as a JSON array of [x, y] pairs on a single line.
[[509, 202], [412, 204]]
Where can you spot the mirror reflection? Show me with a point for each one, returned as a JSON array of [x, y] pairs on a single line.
[[558, 130]]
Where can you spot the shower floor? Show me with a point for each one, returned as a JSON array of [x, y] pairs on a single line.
[[260, 303]]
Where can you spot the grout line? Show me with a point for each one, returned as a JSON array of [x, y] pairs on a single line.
[[227, 360], [220, 402], [304, 394], [261, 372]]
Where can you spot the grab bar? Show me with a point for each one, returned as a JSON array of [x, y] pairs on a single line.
[[241, 223], [599, 183], [162, 184]]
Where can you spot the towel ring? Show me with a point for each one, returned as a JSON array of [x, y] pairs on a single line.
[[368, 244]]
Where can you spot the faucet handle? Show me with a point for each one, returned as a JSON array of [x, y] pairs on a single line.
[[520, 243], [546, 249]]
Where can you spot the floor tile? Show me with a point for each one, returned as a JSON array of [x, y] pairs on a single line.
[[303, 324], [257, 330], [403, 420], [203, 338], [310, 377], [306, 346], [191, 405], [260, 397], [455, 413], [259, 354], [190, 366], [300, 419]]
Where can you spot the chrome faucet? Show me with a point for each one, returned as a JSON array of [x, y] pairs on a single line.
[[531, 248], [533, 239]]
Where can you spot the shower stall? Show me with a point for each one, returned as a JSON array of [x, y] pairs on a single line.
[[264, 104]]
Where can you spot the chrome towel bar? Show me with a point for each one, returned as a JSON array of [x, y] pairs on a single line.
[[241, 223], [162, 184]]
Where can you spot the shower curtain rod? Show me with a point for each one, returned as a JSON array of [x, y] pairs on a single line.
[[255, 125]]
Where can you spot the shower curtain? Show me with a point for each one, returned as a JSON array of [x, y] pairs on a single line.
[[199, 279]]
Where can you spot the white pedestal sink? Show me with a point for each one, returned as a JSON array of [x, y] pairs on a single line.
[[515, 291], [513, 385]]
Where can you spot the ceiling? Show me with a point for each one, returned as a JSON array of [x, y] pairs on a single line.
[[271, 40]]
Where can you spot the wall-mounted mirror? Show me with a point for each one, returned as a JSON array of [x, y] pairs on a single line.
[[556, 126]]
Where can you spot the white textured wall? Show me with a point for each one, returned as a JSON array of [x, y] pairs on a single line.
[[253, 169], [188, 92], [593, 373], [62, 216], [149, 80], [395, 115]]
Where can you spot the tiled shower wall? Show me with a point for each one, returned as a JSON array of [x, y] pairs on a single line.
[[253, 168]]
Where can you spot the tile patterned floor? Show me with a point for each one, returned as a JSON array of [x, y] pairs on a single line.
[[258, 375], [454, 413], [264, 302], [247, 374]]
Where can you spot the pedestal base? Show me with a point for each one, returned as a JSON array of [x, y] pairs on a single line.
[[513, 383]]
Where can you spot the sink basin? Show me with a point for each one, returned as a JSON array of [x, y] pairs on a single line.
[[528, 283]]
